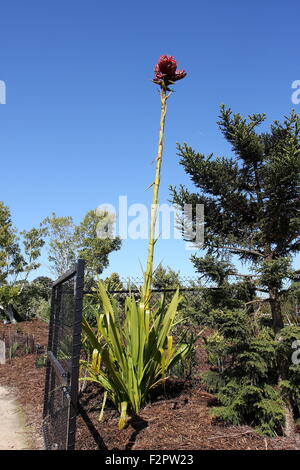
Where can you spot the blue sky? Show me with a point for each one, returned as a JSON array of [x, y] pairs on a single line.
[[80, 125]]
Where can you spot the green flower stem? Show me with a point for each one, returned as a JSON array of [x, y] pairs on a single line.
[[149, 270]]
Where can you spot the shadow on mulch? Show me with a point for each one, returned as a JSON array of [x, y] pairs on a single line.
[[90, 426], [90, 430], [138, 424], [165, 391]]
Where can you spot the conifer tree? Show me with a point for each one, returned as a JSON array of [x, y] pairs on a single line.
[[251, 202]]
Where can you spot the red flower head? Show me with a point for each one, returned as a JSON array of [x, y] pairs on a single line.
[[165, 71]]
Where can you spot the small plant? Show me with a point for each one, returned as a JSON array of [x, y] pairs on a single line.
[[41, 361], [183, 368], [12, 350]]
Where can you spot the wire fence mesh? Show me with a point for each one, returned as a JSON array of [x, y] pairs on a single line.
[[61, 382]]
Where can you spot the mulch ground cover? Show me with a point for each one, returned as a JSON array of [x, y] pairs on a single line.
[[175, 418], [37, 328], [26, 381]]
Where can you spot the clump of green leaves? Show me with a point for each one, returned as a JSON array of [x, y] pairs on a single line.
[[129, 356], [41, 361], [34, 298]]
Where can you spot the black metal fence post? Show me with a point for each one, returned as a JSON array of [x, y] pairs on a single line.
[[79, 286], [62, 371]]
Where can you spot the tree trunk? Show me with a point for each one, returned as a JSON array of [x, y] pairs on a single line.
[[276, 312], [10, 314], [289, 427]]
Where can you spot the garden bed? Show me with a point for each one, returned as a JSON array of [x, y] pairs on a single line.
[[36, 328], [176, 417], [176, 421]]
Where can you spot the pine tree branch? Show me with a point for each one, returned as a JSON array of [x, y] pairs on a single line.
[[245, 275], [242, 250], [257, 301]]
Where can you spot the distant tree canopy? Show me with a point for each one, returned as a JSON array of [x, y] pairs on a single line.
[[67, 242], [34, 299], [17, 260], [165, 278], [251, 203], [61, 244]]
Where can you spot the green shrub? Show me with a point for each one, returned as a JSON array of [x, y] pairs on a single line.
[[252, 373], [243, 403], [131, 355]]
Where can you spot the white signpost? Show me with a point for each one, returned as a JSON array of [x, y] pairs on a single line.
[[2, 352]]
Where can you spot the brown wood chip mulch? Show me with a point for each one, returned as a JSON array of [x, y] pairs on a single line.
[[177, 418]]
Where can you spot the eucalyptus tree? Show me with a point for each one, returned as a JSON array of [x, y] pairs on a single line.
[[67, 241], [17, 260]]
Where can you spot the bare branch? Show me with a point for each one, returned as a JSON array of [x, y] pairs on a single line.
[[257, 301], [242, 250]]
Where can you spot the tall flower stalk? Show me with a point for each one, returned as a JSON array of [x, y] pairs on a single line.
[[156, 184], [130, 354], [166, 74]]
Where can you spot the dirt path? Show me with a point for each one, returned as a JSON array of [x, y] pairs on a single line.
[[12, 430]]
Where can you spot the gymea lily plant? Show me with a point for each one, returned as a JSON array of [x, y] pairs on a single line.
[[129, 358]]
